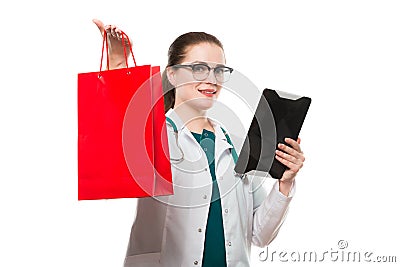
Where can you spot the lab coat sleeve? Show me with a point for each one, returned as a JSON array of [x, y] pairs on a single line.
[[269, 212]]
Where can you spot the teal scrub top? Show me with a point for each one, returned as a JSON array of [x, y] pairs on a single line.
[[214, 244]]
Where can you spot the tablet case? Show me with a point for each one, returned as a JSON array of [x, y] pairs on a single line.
[[278, 115]]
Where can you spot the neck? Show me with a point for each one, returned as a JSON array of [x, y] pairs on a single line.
[[195, 120]]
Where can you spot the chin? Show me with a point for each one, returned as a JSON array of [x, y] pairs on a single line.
[[203, 103]]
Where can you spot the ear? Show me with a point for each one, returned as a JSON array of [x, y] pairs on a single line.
[[171, 75]]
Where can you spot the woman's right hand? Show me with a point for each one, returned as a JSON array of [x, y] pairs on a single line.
[[115, 47]]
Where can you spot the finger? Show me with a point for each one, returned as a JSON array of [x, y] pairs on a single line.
[[107, 28], [99, 25], [298, 140], [120, 35], [288, 157], [118, 32], [113, 33], [126, 39], [109, 31], [295, 153], [292, 166], [293, 143]]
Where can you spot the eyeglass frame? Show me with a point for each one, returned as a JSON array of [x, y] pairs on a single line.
[[208, 67]]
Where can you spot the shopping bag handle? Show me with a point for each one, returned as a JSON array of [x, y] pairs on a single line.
[[105, 43]]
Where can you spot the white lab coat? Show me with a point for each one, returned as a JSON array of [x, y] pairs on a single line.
[[170, 230]]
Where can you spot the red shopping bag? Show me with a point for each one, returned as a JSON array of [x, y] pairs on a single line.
[[122, 139]]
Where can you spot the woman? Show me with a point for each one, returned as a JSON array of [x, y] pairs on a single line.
[[213, 217]]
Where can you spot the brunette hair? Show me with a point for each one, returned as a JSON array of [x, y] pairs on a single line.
[[176, 53]]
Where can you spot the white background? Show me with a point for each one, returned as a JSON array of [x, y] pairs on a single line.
[[343, 54]]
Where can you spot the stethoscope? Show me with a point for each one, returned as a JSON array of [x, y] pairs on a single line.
[[181, 159], [176, 160]]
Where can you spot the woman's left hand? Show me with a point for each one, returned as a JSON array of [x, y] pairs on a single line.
[[292, 157]]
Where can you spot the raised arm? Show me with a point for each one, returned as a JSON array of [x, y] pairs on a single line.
[[115, 47]]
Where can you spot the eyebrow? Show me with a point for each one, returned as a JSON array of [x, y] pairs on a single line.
[[203, 62]]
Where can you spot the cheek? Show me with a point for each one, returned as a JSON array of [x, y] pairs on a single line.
[[219, 89], [183, 77], [187, 91]]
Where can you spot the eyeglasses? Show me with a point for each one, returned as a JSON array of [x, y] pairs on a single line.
[[201, 71]]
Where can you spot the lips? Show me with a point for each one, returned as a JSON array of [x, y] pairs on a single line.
[[207, 92]]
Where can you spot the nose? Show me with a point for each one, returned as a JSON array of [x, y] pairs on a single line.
[[211, 77]]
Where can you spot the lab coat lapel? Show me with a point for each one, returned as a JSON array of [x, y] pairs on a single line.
[[182, 130], [175, 118], [221, 143]]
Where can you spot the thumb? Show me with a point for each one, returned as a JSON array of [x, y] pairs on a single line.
[[99, 25]]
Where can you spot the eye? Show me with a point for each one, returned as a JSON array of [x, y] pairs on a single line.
[[219, 70], [222, 71], [200, 68]]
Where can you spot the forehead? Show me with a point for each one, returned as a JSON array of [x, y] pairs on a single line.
[[206, 52]]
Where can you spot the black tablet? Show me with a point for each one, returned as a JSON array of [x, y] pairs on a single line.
[[278, 115]]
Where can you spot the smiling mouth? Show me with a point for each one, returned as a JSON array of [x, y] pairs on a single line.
[[207, 92]]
